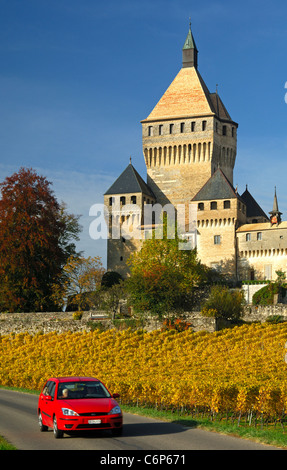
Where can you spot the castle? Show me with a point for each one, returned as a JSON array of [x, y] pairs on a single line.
[[190, 146]]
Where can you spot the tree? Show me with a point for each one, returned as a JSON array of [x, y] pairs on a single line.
[[81, 278], [111, 278], [36, 235], [163, 278], [224, 303], [111, 297]]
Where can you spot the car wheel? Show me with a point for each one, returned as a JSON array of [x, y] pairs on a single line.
[[57, 432], [41, 425]]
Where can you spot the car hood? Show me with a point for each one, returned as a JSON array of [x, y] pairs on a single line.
[[90, 405]]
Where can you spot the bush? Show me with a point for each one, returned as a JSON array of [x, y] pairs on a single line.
[[77, 315], [176, 324], [265, 296], [224, 303]]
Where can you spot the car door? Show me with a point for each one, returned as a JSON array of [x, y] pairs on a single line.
[[47, 402]]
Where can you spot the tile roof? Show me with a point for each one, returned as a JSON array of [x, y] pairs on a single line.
[[261, 226], [186, 96], [217, 187], [252, 207], [129, 182]]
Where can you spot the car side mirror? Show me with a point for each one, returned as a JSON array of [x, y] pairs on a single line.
[[116, 395], [48, 398]]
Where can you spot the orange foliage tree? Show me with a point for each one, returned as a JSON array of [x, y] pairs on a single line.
[[36, 238]]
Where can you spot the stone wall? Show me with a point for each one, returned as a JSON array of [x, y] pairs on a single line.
[[34, 323], [41, 322]]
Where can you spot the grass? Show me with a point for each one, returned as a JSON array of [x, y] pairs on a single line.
[[4, 445], [270, 435]]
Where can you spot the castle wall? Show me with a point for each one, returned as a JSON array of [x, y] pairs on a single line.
[[262, 250], [182, 154]]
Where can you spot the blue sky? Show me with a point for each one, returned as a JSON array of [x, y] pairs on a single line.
[[78, 76]]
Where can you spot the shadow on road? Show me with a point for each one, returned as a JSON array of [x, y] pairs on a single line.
[[140, 429]]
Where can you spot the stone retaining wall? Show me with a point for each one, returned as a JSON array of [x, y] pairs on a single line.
[[34, 323]]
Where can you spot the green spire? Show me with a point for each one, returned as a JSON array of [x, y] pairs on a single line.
[[189, 42], [189, 51]]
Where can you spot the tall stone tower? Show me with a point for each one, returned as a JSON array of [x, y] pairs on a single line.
[[188, 135]]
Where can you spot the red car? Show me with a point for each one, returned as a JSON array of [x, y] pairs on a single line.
[[78, 403]]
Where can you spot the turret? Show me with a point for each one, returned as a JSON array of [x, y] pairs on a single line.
[[189, 51]]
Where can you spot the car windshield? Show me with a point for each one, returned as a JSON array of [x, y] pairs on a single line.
[[84, 389]]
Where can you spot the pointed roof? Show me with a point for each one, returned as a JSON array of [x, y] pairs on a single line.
[[129, 182], [217, 187], [189, 51], [189, 42], [275, 210], [253, 210], [188, 96]]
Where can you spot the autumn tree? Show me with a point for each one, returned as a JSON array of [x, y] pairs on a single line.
[[37, 236], [79, 286], [163, 277]]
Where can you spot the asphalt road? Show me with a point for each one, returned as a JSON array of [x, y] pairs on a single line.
[[19, 425]]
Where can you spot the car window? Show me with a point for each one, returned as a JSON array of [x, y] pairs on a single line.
[[52, 389], [49, 388], [84, 389]]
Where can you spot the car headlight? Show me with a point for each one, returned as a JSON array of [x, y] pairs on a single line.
[[68, 412], [115, 410]]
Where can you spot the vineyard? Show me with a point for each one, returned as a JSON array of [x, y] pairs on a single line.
[[238, 373]]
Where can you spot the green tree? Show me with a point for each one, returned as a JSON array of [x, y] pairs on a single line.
[[36, 238], [163, 278]]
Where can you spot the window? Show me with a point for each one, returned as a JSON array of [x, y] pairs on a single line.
[[133, 199], [203, 125], [123, 200], [226, 204], [193, 126], [248, 237], [111, 201], [150, 131], [259, 235], [213, 206], [171, 126], [200, 206], [160, 127], [217, 239], [224, 130], [182, 127]]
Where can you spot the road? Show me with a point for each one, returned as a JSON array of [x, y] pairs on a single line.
[[19, 425]]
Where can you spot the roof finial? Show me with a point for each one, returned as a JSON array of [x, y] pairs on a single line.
[[130, 159], [189, 51]]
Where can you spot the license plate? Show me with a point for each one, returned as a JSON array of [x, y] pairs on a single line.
[[94, 421]]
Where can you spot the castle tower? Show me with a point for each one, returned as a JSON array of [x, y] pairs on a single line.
[[188, 135], [125, 201]]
